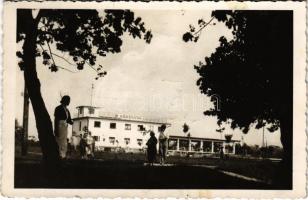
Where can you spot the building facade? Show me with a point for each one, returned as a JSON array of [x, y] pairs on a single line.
[[117, 131], [200, 145], [132, 132]]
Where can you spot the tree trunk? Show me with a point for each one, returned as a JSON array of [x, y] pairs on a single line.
[[25, 122], [43, 122], [286, 128]]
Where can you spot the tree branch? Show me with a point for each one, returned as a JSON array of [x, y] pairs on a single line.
[[39, 16], [66, 69], [61, 58], [51, 53], [90, 66], [205, 25]]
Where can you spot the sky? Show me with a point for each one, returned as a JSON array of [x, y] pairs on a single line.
[[155, 80]]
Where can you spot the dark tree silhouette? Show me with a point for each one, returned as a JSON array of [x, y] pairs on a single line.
[[84, 35], [228, 137], [186, 129], [252, 73]]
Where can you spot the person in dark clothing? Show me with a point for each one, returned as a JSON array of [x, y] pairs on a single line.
[[62, 119], [221, 152], [69, 148], [151, 151], [82, 147]]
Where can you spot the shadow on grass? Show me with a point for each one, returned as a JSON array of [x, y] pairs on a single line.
[[126, 175], [126, 171]]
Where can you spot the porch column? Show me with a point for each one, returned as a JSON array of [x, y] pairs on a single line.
[[201, 145], [189, 145], [212, 151], [233, 150], [178, 144]]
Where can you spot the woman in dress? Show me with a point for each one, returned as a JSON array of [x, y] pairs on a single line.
[[62, 119], [152, 151]]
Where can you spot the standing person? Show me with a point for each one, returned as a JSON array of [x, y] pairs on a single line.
[[69, 148], [89, 145], [75, 142], [163, 144], [62, 119], [151, 151], [221, 152], [82, 146]]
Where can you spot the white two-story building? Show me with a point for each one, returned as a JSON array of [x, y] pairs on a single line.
[[128, 132], [111, 131]]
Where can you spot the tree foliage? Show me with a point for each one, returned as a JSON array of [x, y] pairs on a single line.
[[186, 129], [83, 34], [193, 34], [252, 72]]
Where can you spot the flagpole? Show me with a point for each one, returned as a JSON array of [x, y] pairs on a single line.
[[92, 87]]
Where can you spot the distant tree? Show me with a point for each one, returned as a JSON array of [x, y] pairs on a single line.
[[84, 35], [186, 130], [228, 137], [275, 151], [252, 73]]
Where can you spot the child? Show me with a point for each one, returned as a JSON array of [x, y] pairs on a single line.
[[89, 146], [82, 146]]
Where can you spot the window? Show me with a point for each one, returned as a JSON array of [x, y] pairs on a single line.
[[172, 144], [140, 128], [79, 125], [229, 148], [113, 125], [81, 111], [96, 138], [97, 124], [128, 127], [112, 140], [139, 142], [207, 146], [127, 141], [195, 145], [217, 146], [184, 145], [91, 110]]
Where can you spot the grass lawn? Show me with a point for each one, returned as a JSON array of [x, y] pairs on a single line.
[[122, 170], [255, 168]]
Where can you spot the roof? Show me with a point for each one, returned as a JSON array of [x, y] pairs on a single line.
[[200, 138], [123, 119], [85, 106]]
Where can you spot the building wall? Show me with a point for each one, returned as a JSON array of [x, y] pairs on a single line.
[[87, 111], [117, 137], [132, 138], [78, 126], [201, 145]]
